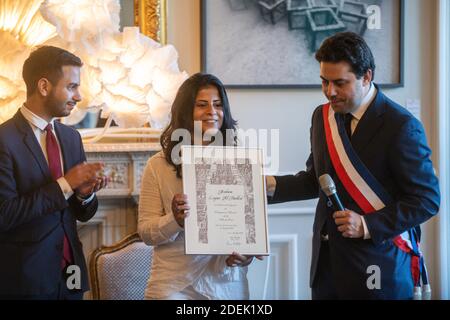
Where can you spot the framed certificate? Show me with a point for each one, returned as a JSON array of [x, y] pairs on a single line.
[[227, 195]]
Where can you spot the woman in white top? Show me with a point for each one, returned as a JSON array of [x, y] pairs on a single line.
[[163, 207]]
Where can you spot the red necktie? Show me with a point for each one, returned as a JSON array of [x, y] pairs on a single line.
[[54, 163]]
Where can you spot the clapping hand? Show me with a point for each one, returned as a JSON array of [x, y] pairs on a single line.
[[94, 186]]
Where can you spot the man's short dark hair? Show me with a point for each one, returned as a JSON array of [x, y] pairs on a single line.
[[47, 62], [348, 47]]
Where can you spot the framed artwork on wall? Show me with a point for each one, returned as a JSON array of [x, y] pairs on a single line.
[[151, 17], [272, 43]]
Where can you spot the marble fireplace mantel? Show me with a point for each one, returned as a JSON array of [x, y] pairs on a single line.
[[124, 165]]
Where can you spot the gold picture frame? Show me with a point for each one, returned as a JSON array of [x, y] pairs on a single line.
[[151, 17]]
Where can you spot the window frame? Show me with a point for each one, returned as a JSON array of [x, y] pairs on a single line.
[[443, 120]]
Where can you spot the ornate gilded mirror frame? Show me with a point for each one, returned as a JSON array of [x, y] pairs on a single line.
[[150, 16]]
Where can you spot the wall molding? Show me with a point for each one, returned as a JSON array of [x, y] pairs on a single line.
[[292, 211], [291, 241]]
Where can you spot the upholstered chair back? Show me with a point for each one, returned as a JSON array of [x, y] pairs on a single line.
[[120, 271]]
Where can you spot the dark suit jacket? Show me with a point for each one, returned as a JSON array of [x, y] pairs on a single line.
[[392, 145], [34, 211]]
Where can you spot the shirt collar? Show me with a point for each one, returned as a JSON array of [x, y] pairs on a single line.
[[367, 101], [34, 119]]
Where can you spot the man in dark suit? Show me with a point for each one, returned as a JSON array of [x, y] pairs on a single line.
[[382, 146], [45, 185]]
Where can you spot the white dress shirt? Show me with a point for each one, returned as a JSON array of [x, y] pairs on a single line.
[[357, 115], [38, 126]]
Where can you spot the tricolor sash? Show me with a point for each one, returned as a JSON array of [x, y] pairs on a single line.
[[363, 187]]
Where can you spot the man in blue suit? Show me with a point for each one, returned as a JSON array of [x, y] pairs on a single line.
[[45, 185], [376, 152]]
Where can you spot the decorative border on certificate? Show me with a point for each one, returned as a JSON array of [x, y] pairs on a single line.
[[227, 196]]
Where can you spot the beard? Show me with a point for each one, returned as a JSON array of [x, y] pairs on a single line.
[[347, 103], [56, 108]]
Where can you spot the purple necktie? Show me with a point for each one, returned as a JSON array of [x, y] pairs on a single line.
[[54, 163], [348, 124]]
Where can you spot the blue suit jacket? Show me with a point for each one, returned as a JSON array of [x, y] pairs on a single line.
[[392, 145], [33, 211]]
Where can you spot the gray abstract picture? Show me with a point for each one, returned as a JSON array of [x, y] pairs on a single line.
[[224, 172], [272, 43]]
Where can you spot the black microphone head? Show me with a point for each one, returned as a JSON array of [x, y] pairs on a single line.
[[327, 185]]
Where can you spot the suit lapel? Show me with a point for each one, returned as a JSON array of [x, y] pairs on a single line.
[[31, 142], [370, 123], [64, 144]]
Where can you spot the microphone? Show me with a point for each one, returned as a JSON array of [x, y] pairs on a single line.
[[328, 187]]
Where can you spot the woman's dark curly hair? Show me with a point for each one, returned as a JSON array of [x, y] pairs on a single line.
[[183, 110], [348, 47]]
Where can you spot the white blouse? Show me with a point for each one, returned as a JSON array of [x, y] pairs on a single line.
[[172, 270]]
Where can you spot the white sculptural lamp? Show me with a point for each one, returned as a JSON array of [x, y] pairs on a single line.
[[129, 77]]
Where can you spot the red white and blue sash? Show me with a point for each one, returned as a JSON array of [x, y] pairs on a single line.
[[360, 184]]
